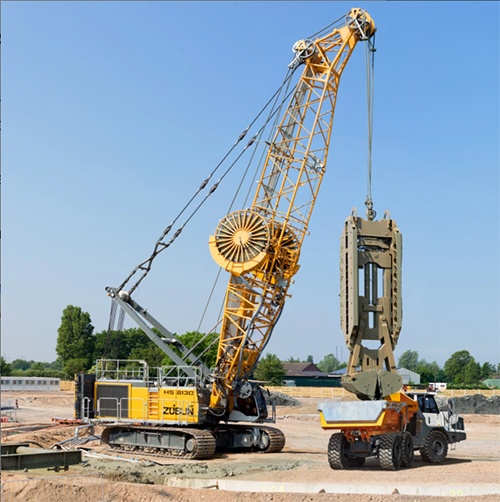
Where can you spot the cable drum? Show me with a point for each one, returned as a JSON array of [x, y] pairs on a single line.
[[285, 249], [241, 241]]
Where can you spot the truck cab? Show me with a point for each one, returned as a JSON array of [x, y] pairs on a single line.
[[432, 430]]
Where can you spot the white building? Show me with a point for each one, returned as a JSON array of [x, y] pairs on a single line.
[[39, 384]]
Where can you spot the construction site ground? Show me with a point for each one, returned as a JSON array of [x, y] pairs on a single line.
[[299, 473]]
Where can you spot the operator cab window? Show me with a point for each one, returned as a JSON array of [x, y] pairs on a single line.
[[427, 404]]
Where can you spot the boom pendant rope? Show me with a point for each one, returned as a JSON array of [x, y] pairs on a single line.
[[160, 245], [274, 112]]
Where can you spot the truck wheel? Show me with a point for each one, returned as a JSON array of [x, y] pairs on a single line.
[[435, 448], [338, 446], [390, 451], [408, 450]]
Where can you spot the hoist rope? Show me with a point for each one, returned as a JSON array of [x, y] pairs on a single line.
[[370, 72], [327, 28]]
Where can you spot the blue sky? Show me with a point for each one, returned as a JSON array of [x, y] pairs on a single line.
[[114, 112]]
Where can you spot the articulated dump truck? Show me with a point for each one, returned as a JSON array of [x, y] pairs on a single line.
[[390, 429]]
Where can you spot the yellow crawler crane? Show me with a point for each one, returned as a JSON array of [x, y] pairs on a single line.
[[190, 410]]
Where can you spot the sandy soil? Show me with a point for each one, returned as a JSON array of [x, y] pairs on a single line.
[[472, 467]]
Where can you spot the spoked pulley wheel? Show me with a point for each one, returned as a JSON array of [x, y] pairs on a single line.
[[241, 240]]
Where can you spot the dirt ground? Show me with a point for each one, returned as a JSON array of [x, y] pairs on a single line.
[[299, 473]]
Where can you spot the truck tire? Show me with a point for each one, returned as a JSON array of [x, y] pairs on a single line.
[[338, 446], [435, 447], [390, 451], [408, 450]]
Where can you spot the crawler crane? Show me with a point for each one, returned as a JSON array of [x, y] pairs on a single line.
[[191, 410]]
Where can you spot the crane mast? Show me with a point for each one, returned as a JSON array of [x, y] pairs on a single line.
[[260, 246]]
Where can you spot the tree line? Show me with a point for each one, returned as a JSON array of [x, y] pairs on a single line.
[[78, 348], [460, 370]]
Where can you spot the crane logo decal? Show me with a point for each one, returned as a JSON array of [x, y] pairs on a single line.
[[178, 410]]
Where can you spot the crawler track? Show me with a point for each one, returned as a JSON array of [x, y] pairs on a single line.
[[188, 443], [161, 441], [277, 439]]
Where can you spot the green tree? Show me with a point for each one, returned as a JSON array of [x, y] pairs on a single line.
[[203, 345], [56, 365], [152, 354], [39, 366], [408, 360], [133, 343], [429, 372], [21, 364], [74, 366], [292, 359], [270, 369], [49, 373], [75, 338], [472, 373], [5, 367], [456, 365], [488, 370], [119, 344], [329, 363], [310, 359]]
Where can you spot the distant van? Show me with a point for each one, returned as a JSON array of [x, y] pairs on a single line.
[[438, 386]]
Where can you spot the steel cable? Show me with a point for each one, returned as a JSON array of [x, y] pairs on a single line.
[[370, 74], [275, 111], [160, 246]]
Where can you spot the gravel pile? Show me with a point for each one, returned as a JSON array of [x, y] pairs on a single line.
[[476, 404], [281, 399]]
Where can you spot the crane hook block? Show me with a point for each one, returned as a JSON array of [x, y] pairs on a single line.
[[241, 241]]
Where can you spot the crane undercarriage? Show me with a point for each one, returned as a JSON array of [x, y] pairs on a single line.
[[191, 442]]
